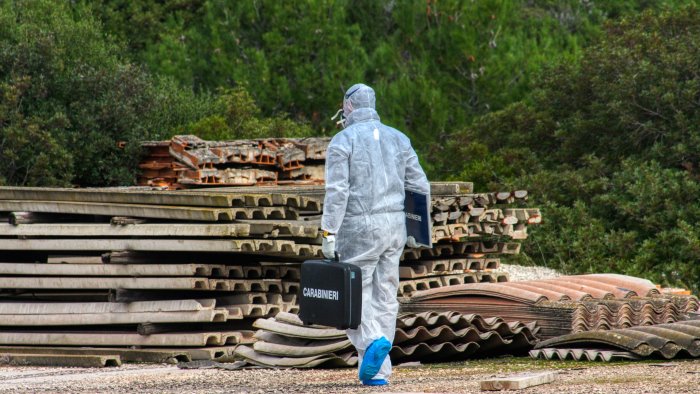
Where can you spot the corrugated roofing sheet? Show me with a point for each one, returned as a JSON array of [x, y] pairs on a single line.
[[577, 287], [680, 339], [582, 354], [562, 305], [432, 337]]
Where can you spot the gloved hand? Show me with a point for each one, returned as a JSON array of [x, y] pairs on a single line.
[[411, 242], [328, 247]]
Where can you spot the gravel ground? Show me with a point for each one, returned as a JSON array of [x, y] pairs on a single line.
[[573, 377], [519, 272]]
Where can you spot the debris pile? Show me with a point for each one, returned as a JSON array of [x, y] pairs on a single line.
[[188, 161]]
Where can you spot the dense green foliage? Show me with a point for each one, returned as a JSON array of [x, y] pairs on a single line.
[[610, 145], [591, 105], [68, 98]]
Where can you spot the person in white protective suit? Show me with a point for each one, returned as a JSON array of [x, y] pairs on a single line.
[[368, 167]]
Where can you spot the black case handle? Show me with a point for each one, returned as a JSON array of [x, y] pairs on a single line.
[[335, 259]]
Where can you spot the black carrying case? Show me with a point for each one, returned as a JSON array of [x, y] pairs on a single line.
[[330, 294]]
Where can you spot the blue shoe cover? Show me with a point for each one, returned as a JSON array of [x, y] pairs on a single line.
[[374, 357], [375, 382]]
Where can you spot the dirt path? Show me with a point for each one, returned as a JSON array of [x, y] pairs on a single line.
[[573, 377]]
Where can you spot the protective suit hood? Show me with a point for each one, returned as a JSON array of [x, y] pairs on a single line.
[[358, 97]]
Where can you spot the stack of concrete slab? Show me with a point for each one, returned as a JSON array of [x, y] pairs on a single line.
[[187, 161], [178, 275]]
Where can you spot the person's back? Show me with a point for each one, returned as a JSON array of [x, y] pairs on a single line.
[[368, 167]]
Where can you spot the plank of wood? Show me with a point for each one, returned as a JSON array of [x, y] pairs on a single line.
[[60, 360], [518, 382]]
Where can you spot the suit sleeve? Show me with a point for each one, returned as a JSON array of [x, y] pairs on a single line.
[[337, 187], [415, 177]]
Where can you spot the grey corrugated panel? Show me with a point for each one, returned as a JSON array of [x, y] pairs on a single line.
[[326, 360], [311, 349], [582, 354], [438, 334], [579, 287], [446, 336], [296, 331], [445, 351], [459, 321], [562, 317], [665, 340], [499, 290]]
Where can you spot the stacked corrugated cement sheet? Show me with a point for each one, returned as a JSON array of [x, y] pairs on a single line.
[[283, 341], [562, 305], [176, 275], [187, 161], [673, 340], [446, 336]]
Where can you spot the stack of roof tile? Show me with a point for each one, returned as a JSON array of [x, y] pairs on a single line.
[[191, 161], [562, 305]]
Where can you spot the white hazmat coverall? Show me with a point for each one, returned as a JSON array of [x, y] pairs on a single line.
[[368, 167]]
